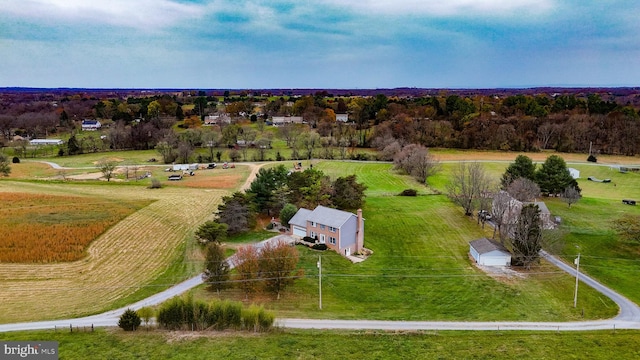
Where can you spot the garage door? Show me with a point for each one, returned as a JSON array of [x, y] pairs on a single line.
[[299, 231], [494, 261]]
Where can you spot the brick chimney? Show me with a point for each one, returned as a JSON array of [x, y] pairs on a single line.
[[360, 232]]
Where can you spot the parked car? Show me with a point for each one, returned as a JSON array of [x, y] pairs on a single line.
[[484, 215], [212, 166]]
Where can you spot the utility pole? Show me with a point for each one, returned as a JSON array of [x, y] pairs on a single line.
[[575, 296], [320, 282]]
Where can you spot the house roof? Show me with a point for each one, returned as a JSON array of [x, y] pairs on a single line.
[[300, 218], [330, 217], [485, 245], [542, 206]]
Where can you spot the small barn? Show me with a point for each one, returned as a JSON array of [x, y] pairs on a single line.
[[575, 173], [489, 253]]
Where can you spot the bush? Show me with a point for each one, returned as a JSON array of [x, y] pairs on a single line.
[[319, 247], [129, 321], [155, 184], [409, 192], [16, 160], [309, 240], [592, 158], [257, 319], [270, 226]]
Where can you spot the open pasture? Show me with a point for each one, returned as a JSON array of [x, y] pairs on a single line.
[[39, 228], [420, 268]]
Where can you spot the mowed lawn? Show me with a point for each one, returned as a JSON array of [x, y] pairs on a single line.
[[316, 344], [420, 268]]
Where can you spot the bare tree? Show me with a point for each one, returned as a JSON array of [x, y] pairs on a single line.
[[107, 167], [416, 161], [570, 195], [468, 182], [289, 133], [502, 210], [545, 133], [523, 189], [527, 236]]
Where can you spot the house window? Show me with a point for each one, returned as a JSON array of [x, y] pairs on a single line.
[[313, 224], [332, 229], [322, 227], [332, 240], [313, 234]]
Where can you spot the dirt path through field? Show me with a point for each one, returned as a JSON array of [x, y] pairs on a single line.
[[252, 176]]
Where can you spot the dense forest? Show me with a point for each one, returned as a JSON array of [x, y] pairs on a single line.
[[568, 120]]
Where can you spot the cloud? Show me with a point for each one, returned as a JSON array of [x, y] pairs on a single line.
[[140, 14], [445, 8]]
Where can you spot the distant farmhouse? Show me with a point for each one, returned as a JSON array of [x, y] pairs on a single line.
[[91, 125], [281, 120], [341, 231], [342, 117], [39, 142], [217, 119]]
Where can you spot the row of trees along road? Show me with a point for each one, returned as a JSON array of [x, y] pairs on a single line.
[[471, 188], [270, 268]]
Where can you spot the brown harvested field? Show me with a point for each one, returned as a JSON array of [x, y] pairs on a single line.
[[128, 256], [40, 228]]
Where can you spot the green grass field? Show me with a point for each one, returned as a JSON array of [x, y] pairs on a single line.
[[420, 268], [308, 344]]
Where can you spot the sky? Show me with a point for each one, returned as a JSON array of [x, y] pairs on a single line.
[[341, 44]]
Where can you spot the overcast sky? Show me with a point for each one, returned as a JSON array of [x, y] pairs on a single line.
[[319, 44]]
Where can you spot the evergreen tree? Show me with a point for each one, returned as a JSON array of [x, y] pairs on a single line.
[[73, 148], [216, 272], [522, 167], [553, 176]]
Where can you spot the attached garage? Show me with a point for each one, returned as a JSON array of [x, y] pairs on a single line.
[[299, 231], [489, 253], [298, 223]]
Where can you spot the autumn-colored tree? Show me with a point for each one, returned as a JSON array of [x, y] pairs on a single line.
[[192, 121], [246, 261], [278, 263]]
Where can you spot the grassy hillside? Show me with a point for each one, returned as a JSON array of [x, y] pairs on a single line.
[[420, 267]]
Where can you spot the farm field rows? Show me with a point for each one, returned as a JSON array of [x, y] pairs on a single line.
[[129, 256]]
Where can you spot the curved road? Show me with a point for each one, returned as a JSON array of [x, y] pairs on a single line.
[[628, 318]]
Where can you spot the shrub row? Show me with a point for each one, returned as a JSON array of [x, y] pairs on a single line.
[[187, 314]]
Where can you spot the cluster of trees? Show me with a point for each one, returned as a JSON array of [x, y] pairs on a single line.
[[566, 122], [275, 187], [471, 188], [270, 268]]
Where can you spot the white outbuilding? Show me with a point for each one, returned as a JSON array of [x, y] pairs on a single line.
[[575, 173], [489, 253]]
